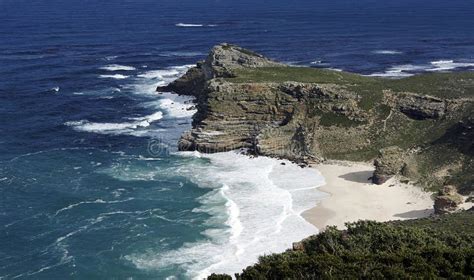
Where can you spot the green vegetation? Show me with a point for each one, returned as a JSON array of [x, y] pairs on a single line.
[[439, 247], [445, 85], [297, 74], [333, 119]]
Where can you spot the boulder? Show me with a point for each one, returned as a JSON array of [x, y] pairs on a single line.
[[447, 200], [298, 246], [389, 163]]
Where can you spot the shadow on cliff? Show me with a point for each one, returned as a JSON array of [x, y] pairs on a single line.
[[358, 177], [415, 214]]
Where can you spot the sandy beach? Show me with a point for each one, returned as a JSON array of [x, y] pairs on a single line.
[[354, 197]]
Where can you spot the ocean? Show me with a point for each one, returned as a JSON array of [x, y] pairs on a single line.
[[91, 183]]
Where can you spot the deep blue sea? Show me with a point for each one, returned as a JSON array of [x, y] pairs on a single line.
[[91, 184]]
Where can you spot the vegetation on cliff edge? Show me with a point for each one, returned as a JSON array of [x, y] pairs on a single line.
[[437, 247]]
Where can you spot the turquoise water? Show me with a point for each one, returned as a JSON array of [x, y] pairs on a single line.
[[91, 184]]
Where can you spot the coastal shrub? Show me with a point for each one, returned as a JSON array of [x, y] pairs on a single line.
[[428, 248], [219, 277]]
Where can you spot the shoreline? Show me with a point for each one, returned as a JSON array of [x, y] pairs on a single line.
[[353, 197]]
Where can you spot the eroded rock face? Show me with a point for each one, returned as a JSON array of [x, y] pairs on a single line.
[[421, 107], [233, 116], [389, 163], [270, 119], [225, 57], [220, 63], [448, 200]]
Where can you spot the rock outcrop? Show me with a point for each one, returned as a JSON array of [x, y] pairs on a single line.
[[448, 200], [420, 107], [220, 63], [388, 164]]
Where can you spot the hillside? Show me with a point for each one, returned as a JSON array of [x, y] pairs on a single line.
[[433, 248]]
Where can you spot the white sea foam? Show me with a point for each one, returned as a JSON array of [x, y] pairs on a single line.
[[194, 25], [116, 128], [117, 67], [445, 65], [111, 57], [259, 202], [115, 76], [174, 105], [97, 201], [189, 25], [390, 52], [400, 71], [335, 69], [407, 70], [146, 82], [159, 74], [143, 84], [182, 54]]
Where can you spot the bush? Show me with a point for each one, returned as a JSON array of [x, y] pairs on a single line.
[[429, 249]]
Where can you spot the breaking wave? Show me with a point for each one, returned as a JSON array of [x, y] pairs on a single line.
[[117, 67], [407, 70], [116, 77], [115, 128], [144, 83], [389, 52], [255, 207], [194, 25]]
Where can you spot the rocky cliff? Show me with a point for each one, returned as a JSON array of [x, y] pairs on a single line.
[[418, 127]]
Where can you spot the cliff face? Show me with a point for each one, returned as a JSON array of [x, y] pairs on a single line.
[[221, 62], [245, 100]]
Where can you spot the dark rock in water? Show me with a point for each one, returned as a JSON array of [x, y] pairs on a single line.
[[189, 84], [447, 201], [186, 142], [388, 164]]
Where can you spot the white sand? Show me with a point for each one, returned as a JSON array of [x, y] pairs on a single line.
[[354, 197]]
